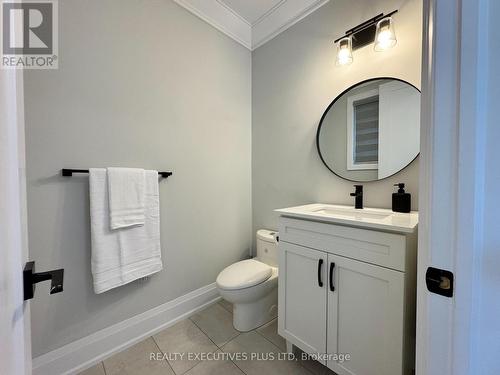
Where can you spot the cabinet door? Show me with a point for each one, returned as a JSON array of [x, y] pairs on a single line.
[[365, 317], [302, 297]]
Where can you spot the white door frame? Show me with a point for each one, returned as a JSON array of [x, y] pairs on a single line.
[[15, 329], [455, 72]]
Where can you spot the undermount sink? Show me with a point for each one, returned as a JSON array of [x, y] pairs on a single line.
[[352, 213], [375, 218]]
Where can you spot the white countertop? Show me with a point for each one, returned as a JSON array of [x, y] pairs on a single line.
[[370, 218]]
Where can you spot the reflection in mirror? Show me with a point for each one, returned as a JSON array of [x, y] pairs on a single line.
[[372, 130]]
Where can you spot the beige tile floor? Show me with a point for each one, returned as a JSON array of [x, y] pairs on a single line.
[[210, 332]]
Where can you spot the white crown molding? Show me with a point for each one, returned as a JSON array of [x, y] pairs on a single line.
[[222, 18], [90, 350], [279, 18], [223, 4]]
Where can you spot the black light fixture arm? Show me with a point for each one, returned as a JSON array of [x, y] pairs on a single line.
[[365, 25]]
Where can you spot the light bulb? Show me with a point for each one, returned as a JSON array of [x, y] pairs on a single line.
[[344, 51], [385, 36]]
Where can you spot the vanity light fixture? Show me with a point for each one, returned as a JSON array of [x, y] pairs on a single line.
[[344, 51], [379, 29], [385, 36]]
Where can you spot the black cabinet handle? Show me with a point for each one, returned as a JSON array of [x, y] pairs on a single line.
[[332, 266], [320, 282]]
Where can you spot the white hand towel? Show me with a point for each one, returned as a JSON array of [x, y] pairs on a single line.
[[126, 197], [123, 255]]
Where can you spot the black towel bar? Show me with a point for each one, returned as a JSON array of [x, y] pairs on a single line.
[[69, 172]]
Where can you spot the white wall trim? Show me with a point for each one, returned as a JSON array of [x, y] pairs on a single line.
[[279, 18], [15, 328], [90, 350], [438, 173], [453, 151]]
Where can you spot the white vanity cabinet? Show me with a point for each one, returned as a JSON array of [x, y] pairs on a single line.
[[301, 297], [348, 290]]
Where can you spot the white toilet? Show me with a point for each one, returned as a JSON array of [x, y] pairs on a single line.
[[252, 285]]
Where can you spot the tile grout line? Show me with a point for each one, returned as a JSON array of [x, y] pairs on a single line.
[[262, 335], [218, 347], [238, 367], [231, 311], [221, 347], [161, 351], [206, 334], [231, 360], [239, 333], [191, 320], [208, 337]]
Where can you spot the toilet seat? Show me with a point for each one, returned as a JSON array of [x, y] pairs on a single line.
[[243, 274]]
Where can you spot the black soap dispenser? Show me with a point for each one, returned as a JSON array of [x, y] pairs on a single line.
[[401, 201]]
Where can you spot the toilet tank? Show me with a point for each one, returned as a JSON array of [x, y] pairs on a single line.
[[267, 247]]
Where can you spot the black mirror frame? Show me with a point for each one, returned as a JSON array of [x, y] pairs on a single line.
[[333, 102]]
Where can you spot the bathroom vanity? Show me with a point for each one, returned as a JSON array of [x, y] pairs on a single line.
[[347, 287]]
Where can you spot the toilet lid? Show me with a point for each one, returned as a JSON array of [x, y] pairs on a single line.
[[243, 274]]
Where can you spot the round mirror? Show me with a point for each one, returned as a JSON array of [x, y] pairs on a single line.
[[372, 130]]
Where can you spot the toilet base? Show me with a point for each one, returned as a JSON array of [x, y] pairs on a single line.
[[248, 316]]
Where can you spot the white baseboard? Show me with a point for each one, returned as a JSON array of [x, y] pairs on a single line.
[[90, 350]]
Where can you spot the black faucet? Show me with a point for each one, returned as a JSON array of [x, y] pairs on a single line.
[[359, 196]]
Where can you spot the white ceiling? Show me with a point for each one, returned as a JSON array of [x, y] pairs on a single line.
[[251, 22]]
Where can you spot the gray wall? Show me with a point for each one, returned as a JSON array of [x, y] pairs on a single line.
[[294, 78], [141, 84]]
